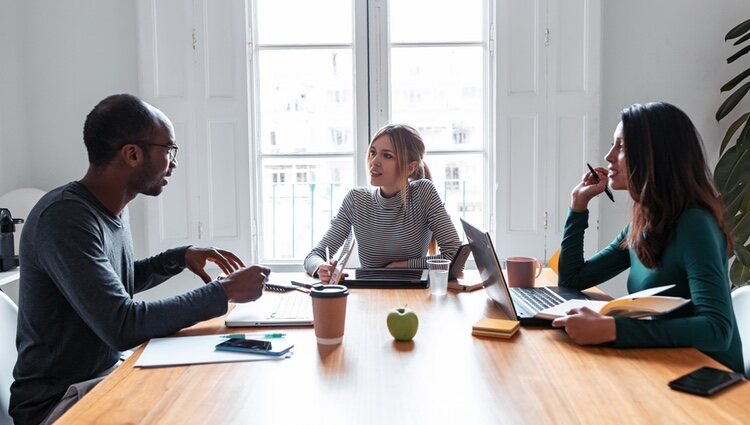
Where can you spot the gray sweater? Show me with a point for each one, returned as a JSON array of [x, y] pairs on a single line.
[[76, 307]]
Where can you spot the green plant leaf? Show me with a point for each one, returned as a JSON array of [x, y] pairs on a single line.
[[731, 130], [743, 255], [732, 101], [734, 81], [739, 274], [745, 206], [732, 169], [739, 54], [733, 199], [744, 139], [741, 228], [738, 30], [742, 39]]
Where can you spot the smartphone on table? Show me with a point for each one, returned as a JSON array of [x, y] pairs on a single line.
[[705, 381], [255, 346]]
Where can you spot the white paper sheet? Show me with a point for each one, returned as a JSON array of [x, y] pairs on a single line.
[[173, 351]]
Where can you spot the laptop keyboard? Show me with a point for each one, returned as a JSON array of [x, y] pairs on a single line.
[[538, 298], [293, 306]]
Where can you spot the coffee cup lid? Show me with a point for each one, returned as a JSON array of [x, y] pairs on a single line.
[[329, 291]]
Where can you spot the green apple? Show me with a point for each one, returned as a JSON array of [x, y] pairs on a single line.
[[402, 323]]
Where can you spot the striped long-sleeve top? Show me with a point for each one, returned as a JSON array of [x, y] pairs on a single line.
[[386, 231]]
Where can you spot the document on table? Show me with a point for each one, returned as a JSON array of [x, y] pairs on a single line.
[[174, 351]]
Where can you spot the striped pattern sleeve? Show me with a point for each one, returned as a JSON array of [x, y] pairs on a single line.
[[439, 223], [341, 226]]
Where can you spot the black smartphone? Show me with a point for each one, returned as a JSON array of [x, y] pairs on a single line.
[[705, 381], [245, 345]]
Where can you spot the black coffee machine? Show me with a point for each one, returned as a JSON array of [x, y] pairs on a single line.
[[8, 259]]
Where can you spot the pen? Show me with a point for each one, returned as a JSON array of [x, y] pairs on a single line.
[[303, 284], [266, 335], [328, 256], [606, 188]]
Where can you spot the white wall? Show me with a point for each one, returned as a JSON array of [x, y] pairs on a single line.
[[664, 50], [59, 58], [14, 150]]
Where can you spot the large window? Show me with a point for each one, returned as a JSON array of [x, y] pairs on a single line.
[[328, 74]]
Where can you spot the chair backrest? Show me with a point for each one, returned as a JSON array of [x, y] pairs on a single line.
[[741, 305], [8, 354], [20, 202], [554, 260]]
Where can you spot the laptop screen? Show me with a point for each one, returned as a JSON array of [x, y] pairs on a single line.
[[489, 268]]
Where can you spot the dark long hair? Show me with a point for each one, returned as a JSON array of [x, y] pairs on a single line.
[[667, 174]]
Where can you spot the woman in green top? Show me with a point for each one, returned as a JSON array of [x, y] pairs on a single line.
[[677, 235]]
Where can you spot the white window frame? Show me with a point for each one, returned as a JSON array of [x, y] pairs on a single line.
[[371, 103]]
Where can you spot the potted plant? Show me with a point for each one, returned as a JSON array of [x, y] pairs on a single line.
[[732, 173]]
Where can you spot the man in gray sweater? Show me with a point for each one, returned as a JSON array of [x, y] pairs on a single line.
[[78, 275]]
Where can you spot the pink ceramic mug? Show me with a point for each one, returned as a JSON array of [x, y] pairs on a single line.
[[522, 271]]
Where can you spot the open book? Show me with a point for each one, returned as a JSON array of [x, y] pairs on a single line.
[[640, 304]]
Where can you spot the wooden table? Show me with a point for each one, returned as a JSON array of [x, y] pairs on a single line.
[[444, 376]]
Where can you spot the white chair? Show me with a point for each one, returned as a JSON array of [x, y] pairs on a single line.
[[20, 202], [8, 354], [741, 305]]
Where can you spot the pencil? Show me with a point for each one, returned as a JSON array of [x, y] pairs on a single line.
[[596, 178]]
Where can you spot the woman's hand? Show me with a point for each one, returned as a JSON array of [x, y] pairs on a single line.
[[327, 272], [398, 265], [587, 189], [587, 327]]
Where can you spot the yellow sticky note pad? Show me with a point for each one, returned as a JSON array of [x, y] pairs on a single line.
[[495, 328]]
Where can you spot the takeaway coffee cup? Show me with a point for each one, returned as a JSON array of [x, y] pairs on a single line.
[[522, 271], [329, 312]]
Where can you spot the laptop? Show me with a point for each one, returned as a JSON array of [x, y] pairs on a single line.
[[521, 303], [291, 309]]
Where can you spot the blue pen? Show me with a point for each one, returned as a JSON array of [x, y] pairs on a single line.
[[267, 335]]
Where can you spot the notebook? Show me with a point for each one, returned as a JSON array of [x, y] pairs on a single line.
[[387, 278], [520, 303], [292, 309]]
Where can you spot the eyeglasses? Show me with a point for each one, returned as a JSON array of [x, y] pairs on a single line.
[[171, 149]]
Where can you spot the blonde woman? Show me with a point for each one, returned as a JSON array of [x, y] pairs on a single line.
[[396, 221]]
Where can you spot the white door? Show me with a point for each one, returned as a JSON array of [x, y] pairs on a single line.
[[192, 68], [547, 119]]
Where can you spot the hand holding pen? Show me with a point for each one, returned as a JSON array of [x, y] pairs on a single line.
[[325, 270], [596, 179]]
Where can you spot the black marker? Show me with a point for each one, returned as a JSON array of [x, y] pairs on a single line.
[[596, 178]]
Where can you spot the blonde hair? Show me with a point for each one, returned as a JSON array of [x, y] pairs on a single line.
[[408, 147]]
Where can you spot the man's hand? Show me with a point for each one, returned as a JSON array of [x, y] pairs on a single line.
[[246, 285], [587, 327], [404, 264], [195, 260]]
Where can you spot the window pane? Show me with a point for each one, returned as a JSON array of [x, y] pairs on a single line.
[[304, 21], [306, 101], [300, 197], [459, 181], [439, 90], [436, 21]]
